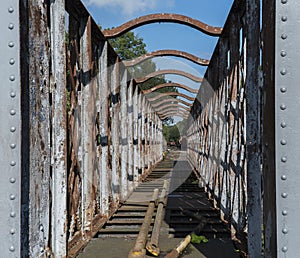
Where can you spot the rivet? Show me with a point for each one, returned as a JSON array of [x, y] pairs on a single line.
[[12, 61], [283, 142], [283, 1], [13, 214], [283, 89], [41, 228], [11, 44], [12, 180], [13, 129], [283, 159], [284, 230], [12, 112], [13, 146], [283, 107], [283, 177], [12, 197], [12, 94], [283, 53], [10, 10], [12, 231], [284, 18], [12, 248], [12, 78], [11, 26], [284, 249], [12, 163], [283, 72], [284, 36], [284, 195], [283, 124], [284, 212]]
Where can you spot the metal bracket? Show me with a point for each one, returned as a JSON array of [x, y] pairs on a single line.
[[10, 115]]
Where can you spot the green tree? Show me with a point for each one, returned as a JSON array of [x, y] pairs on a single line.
[[129, 46]]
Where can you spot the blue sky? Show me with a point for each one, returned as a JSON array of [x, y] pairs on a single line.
[[112, 13]]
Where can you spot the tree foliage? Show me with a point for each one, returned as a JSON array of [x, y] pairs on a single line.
[[130, 46]]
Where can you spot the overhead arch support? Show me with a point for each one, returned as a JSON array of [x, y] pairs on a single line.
[[169, 71], [170, 100], [167, 52], [166, 85], [173, 106], [163, 17], [174, 113], [164, 94]]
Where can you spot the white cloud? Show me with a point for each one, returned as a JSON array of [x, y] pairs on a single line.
[[129, 7]]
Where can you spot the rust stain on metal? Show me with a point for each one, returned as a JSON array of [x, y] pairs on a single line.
[[169, 71], [167, 52], [163, 17]]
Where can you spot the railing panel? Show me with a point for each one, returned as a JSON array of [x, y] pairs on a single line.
[[224, 126]]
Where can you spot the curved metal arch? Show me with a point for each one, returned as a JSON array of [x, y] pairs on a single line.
[[177, 106], [169, 71], [167, 109], [170, 100], [173, 113], [167, 52], [160, 95], [162, 17], [166, 85]]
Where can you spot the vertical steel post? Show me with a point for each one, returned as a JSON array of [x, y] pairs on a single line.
[[59, 130], [37, 168], [287, 126], [135, 137], [87, 122], [10, 130], [268, 128], [130, 137], [140, 144], [143, 125], [254, 208], [104, 116], [124, 136], [115, 130]]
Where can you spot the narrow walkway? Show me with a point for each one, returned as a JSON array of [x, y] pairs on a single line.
[[118, 235]]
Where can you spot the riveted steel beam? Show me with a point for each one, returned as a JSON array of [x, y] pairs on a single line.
[[169, 71], [167, 52], [162, 17], [10, 130], [168, 94]]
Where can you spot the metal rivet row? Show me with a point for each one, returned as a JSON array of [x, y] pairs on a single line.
[[283, 142], [12, 78]]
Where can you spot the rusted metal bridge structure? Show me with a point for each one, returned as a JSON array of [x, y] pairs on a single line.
[[78, 135]]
